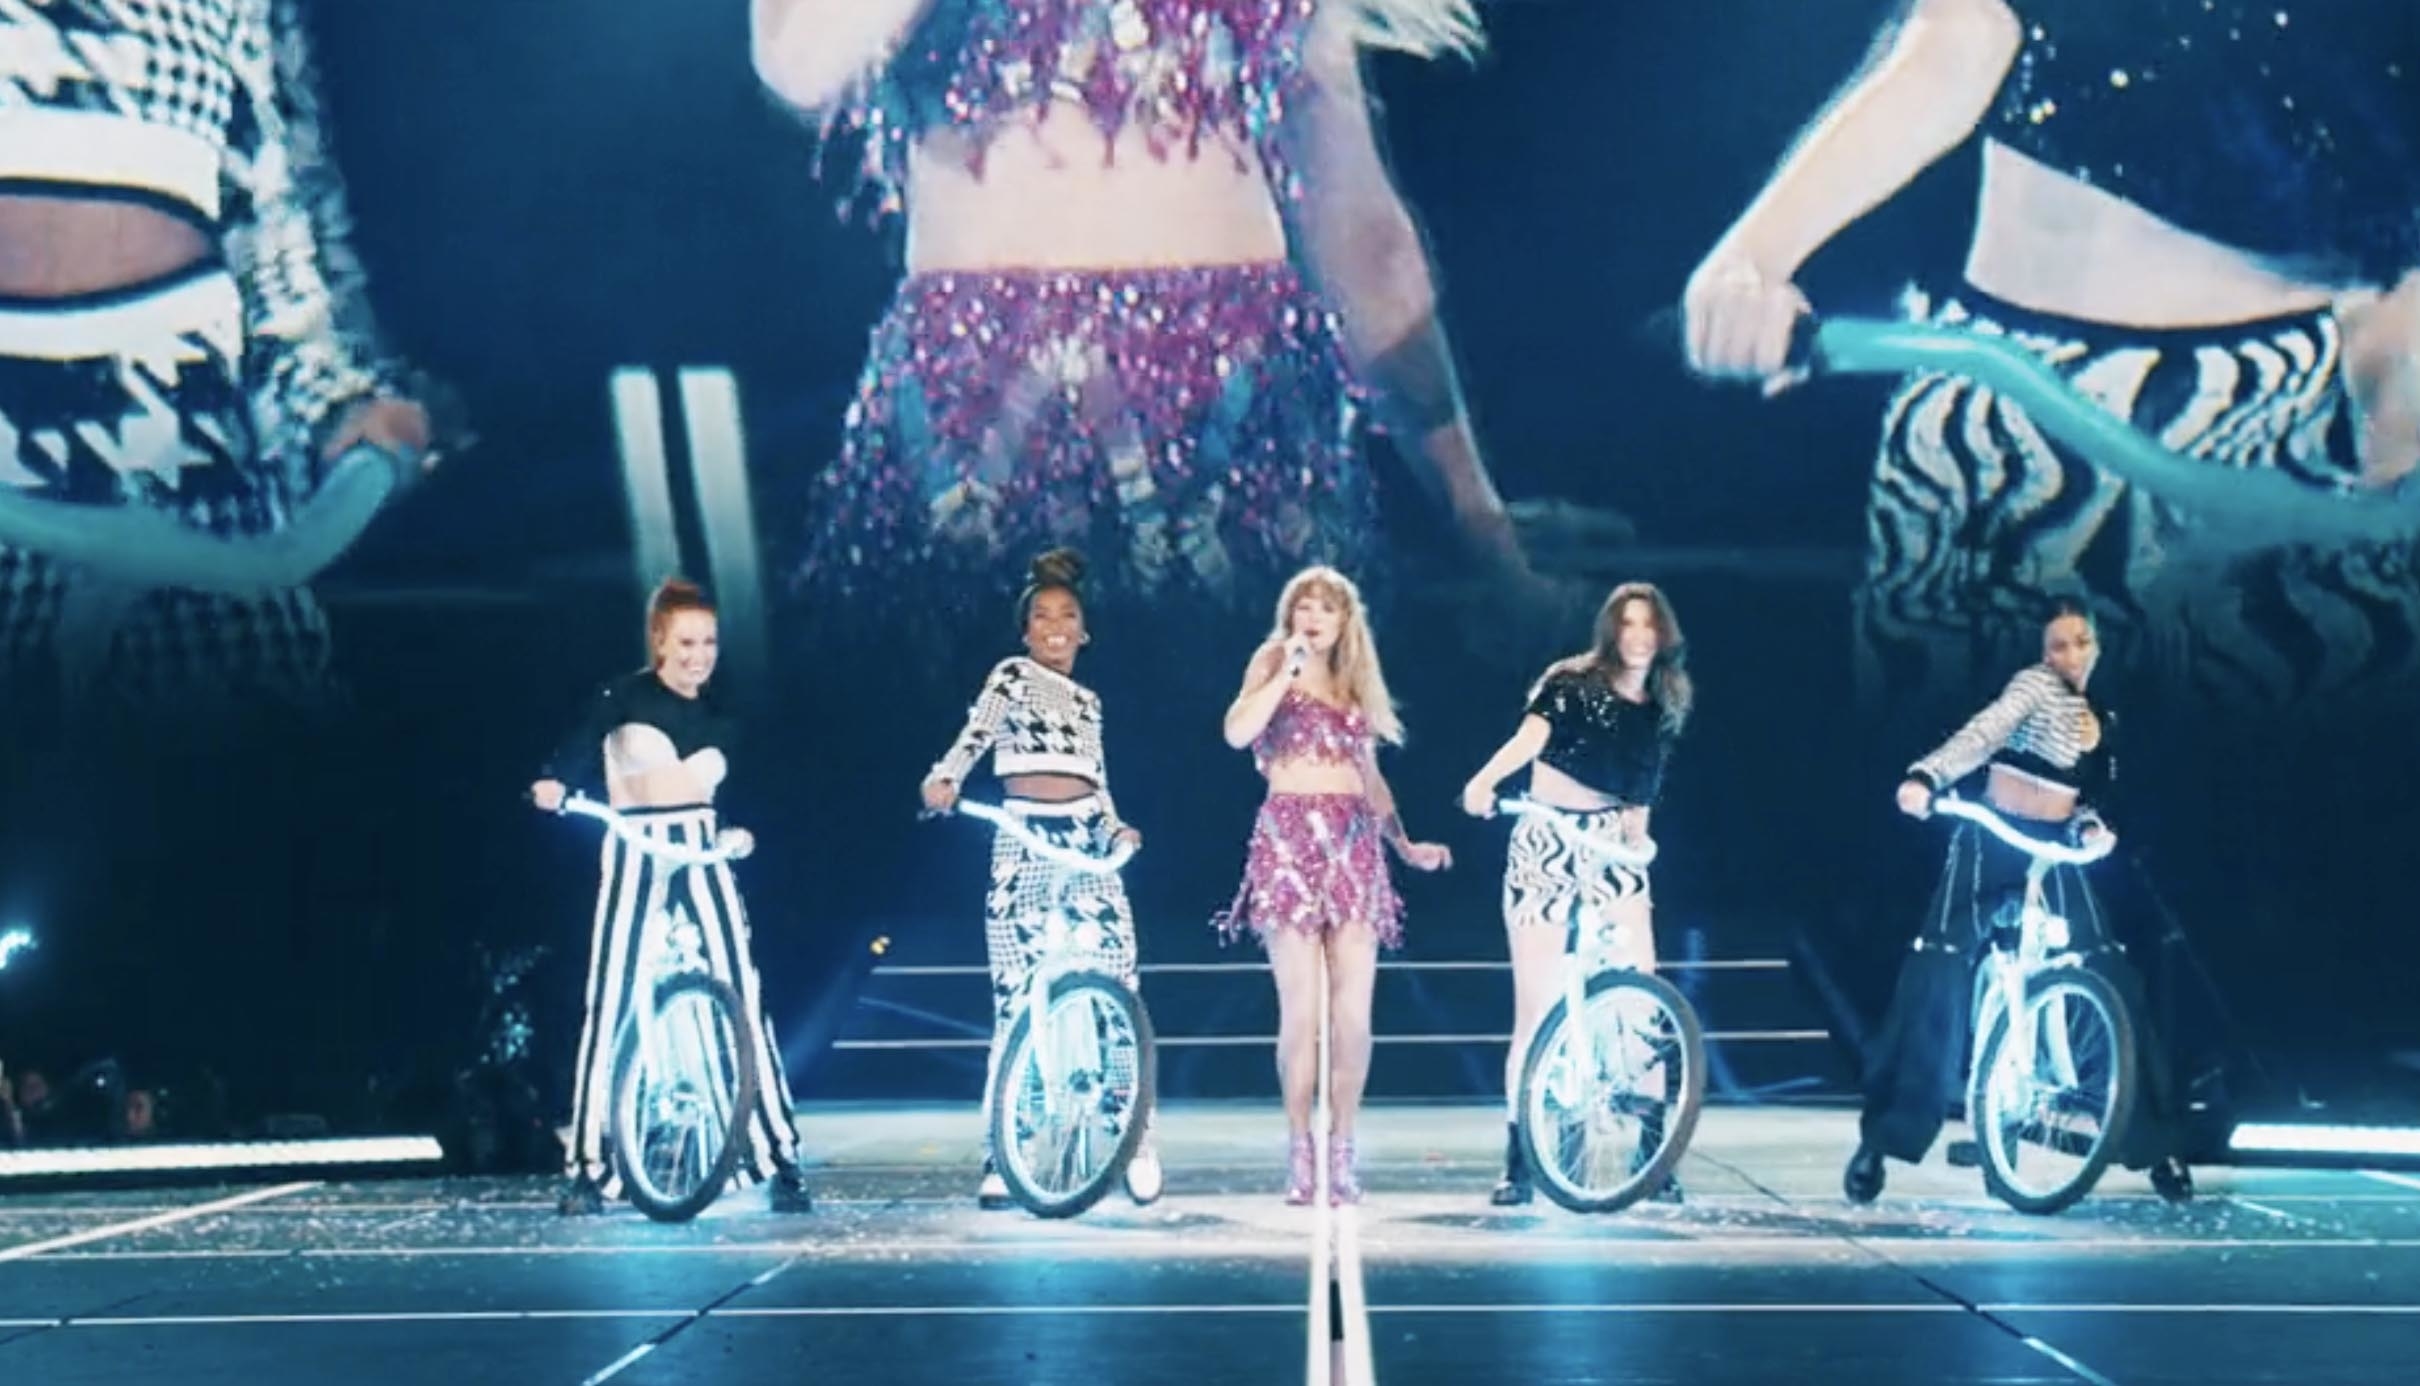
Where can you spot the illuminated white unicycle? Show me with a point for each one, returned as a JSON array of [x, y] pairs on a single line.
[[1074, 1079], [1616, 1073], [683, 1080]]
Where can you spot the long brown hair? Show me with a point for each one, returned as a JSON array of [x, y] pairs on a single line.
[[673, 596], [1356, 655], [1668, 680]]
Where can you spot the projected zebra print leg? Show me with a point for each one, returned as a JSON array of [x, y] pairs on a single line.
[[1974, 519]]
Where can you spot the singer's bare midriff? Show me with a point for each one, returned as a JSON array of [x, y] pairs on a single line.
[[1056, 194], [61, 247], [1048, 789], [1315, 777], [1555, 789]]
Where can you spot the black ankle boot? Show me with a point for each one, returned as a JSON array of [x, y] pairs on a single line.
[[1862, 1180], [1515, 1189]]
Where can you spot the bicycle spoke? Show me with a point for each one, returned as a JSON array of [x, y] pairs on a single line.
[[1072, 1091]]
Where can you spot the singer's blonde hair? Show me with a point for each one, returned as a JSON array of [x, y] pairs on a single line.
[[1355, 658], [1428, 28]]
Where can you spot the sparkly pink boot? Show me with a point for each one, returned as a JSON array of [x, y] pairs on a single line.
[[1302, 1171], [1344, 1182]]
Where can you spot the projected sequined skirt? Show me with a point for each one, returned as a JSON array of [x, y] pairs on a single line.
[[1191, 430]]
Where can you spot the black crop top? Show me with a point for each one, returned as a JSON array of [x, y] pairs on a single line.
[[697, 727], [2287, 128], [1606, 742]]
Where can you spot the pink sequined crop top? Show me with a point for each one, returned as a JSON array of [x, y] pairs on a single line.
[[1184, 73], [1306, 729]]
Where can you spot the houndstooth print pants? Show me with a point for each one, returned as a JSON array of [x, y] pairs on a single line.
[[136, 397]]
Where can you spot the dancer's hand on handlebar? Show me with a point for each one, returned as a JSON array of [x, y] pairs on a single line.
[[1479, 799], [739, 841], [548, 795], [940, 796], [400, 426], [2382, 376], [1427, 856], [1130, 835], [1915, 798], [1738, 321], [1634, 825]]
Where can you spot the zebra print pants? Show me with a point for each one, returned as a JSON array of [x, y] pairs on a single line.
[[1975, 520], [635, 889]]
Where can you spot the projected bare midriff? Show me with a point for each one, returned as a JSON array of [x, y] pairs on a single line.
[[1054, 196], [61, 246]]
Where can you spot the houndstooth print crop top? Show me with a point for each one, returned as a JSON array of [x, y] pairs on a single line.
[[1034, 721], [207, 109]]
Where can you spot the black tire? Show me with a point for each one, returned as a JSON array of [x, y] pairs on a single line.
[[1124, 1010], [683, 1006], [2074, 987], [1686, 1043]]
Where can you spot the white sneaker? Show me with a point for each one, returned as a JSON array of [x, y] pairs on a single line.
[[1144, 1180]]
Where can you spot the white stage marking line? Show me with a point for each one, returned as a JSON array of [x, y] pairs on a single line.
[[1353, 1300], [175, 1215], [620, 1364], [1630, 1309], [2266, 1211], [1910, 1307], [375, 1316], [2064, 1360], [842, 1311], [1426, 1249], [2401, 1181], [1320, 1367], [815, 1311]]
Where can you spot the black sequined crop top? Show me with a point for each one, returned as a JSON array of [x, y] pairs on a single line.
[[2286, 128], [1600, 738]]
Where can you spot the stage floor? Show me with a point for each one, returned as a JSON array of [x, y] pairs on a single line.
[[1765, 1275]]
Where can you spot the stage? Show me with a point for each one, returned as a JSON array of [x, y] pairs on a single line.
[[1764, 1275]]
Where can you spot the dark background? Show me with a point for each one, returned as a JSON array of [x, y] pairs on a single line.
[[549, 189]]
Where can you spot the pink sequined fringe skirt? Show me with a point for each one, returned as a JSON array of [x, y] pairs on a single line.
[[1191, 430], [1317, 863]]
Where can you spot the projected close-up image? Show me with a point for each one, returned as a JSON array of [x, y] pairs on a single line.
[[1410, 691]]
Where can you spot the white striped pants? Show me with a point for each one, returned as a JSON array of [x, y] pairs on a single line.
[[634, 889]]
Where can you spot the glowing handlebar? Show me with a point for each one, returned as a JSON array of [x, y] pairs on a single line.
[[140, 547], [1618, 852], [620, 826], [1074, 859], [2101, 844], [2265, 506]]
